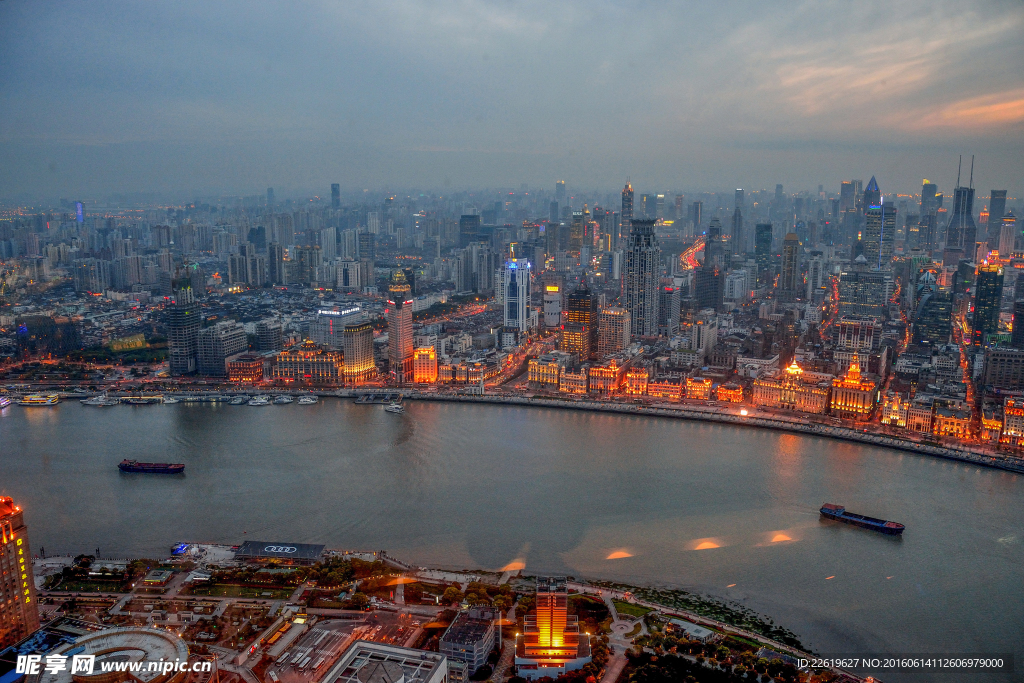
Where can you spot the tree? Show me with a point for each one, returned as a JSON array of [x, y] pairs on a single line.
[[359, 601], [451, 595]]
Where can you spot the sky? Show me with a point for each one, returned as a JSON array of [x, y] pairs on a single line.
[[200, 98]]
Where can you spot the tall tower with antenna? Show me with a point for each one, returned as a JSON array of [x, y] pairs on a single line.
[[961, 231]]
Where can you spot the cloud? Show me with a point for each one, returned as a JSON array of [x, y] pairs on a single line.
[[591, 90]]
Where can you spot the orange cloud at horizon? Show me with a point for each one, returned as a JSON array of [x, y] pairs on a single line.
[[619, 554]]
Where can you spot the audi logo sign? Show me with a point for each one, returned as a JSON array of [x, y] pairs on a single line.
[[280, 549]]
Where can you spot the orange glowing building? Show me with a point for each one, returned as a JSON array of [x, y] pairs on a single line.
[[636, 381], [19, 615], [730, 393], [245, 369], [665, 389], [424, 365], [853, 396], [698, 388], [551, 643]]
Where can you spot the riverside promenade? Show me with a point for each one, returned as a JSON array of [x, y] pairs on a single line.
[[760, 420]]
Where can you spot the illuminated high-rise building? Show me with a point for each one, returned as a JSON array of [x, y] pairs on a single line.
[[879, 228], [19, 611], [579, 330], [424, 365], [987, 297], [357, 341], [560, 192], [613, 331], [399, 316], [643, 271], [552, 305], [515, 286], [551, 643]]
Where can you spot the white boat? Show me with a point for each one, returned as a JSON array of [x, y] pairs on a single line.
[[308, 400], [259, 401], [395, 408], [239, 400], [39, 400], [283, 399], [102, 401], [4, 401], [168, 399]]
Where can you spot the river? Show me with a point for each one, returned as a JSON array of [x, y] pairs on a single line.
[[722, 510]]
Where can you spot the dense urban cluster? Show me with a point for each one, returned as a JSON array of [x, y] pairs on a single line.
[[890, 310]]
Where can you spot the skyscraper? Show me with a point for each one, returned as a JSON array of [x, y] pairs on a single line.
[[961, 231], [216, 343], [516, 293], [1017, 334], [560, 192], [19, 611], [879, 228], [928, 192], [696, 216], [987, 297], [714, 253], [872, 195], [642, 272], [790, 282], [335, 196], [739, 241], [183, 320], [357, 340], [551, 643], [469, 229], [627, 209], [613, 331], [399, 315], [996, 211], [270, 198], [579, 331], [763, 254], [933, 318]]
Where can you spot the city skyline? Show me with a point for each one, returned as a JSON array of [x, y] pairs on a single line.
[[230, 100]]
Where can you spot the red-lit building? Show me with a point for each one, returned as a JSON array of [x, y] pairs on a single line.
[[19, 612], [551, 643]]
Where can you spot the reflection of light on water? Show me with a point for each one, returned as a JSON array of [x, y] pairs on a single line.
[[619, 554], [779, 538], [730, 585], [705, 544], [830, 577]]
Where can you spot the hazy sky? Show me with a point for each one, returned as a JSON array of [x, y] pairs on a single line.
[[223, 96]]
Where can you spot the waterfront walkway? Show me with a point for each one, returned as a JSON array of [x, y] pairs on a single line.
[[759, 420]]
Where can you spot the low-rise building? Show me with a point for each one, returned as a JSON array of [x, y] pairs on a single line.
[[309, 363], [471, 637], [698, 388], [637, 380], [369, 662], [854, 396], [573, 381]]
